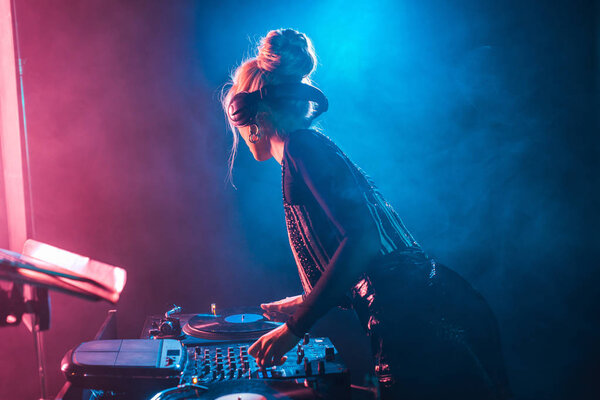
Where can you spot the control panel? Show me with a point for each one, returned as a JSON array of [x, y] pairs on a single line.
[[230, 361]]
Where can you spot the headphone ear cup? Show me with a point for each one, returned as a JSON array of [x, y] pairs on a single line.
[[242, 109]]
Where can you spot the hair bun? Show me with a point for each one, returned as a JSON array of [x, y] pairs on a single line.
[[288, 53]]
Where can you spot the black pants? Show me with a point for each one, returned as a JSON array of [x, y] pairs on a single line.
[[433, 336]]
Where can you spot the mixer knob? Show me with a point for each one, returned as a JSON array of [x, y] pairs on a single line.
[[306, 338], [232, 365], [246, 365], [167, 328], [198, 350], [307, 367], [321, 368], [206, 369], [219, 366], [214, 374], [231, 373], [300, 354]]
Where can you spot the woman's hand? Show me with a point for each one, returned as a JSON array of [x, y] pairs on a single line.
[[271, 347], [281, 310]]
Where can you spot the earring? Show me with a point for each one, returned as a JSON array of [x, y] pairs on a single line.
[[254, 136]]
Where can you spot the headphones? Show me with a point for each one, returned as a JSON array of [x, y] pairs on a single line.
[[244, 105]]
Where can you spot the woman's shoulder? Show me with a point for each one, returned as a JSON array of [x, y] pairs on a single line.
[[309, 142]]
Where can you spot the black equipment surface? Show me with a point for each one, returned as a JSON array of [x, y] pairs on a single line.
[[125, 364]]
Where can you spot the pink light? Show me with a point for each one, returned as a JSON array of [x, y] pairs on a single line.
[[111, 276], [10, 134]]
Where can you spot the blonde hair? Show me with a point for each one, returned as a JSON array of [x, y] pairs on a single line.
[[283, 56]]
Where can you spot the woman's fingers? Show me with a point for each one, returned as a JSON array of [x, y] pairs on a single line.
[[271, 307], [278, 360], [272, 357], [285, 306], [275, 316], [266, 355], [270, 348], [254, 349], [260, 351]]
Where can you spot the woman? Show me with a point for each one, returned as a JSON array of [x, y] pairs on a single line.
[[432, 335]]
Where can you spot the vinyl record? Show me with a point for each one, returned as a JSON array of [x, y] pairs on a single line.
[[259, 389], [234, 324]]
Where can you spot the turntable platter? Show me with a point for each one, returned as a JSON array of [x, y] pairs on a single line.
[[235, 324], [240, 390], [242, 396]]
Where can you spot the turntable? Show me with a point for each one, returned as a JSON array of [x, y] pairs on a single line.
[[236, 324]]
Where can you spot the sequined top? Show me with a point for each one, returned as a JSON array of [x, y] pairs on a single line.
[[327, 198]]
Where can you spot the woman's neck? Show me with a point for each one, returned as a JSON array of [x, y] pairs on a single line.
[[278, 142], [277, 147]]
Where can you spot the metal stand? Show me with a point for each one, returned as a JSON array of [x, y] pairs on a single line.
[[38, 340], [37, 305], [31, 305]]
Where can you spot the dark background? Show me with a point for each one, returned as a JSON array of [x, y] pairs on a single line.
[[477, 119]]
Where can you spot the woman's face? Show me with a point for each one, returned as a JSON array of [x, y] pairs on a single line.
[[261, 150]]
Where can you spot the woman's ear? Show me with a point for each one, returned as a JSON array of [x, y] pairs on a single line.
[[265, 121], [262, 118]]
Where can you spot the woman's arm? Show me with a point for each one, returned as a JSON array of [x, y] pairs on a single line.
[[346, 266]]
